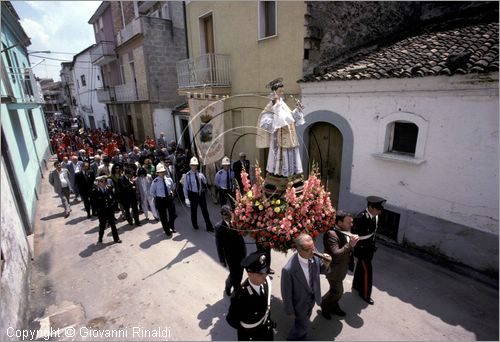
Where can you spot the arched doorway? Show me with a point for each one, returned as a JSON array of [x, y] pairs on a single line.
[[325, 150]]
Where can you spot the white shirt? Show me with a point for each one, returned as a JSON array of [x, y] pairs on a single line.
[[64, 183], [256, 288], [304, 264]]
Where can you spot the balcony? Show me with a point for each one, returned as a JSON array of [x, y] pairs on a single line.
[[131, 30], [122, 93], [106, 95], [21, 87], [210, 70], [103, 53]]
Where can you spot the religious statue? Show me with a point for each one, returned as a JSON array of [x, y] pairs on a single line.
[[279, 121]]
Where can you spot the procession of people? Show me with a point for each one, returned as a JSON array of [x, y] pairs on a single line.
[[114, 175]]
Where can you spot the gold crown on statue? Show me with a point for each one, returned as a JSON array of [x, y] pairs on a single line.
[[205, 117]]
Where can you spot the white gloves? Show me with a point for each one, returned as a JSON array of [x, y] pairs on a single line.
[[188, 203]]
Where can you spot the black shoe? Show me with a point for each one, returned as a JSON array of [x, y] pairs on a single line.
[[326, 315], [173, 230], [100, 240], [196, 228], [130, 222], [118, 241], [339, 312], [369, 301], [169, 234], [211, 230], [138, 224]]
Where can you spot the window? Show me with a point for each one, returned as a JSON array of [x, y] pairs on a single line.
[[207, 33], [267, 19], [9, 62], [155, 14], [404, 137], [82, 77], [32, 124], [21, 143]]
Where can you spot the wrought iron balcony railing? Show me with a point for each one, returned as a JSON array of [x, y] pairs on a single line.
[[209, 70]]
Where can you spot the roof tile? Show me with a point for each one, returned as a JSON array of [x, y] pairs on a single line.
[[463, 50]]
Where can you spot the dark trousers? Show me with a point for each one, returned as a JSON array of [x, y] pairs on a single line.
[[163, 204], [200, 200], [261, 333], [224, 197], [301, 324], [86, 202], [363, 278], [235, 276], [135, 211], [330, 301], [107, 216]]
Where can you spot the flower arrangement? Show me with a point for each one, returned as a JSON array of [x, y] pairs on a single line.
[[276, 222]]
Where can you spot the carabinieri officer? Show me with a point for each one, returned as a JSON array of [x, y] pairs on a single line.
[[365, 225], [250, 309]]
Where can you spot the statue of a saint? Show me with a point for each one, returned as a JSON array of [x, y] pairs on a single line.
[[278, 120]]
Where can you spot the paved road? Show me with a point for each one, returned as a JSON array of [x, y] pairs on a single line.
[[150, 284]]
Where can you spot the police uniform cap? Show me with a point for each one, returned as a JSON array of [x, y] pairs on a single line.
[[376, 202], [225, 161], [160, 168], [256, 263], [101, 177]]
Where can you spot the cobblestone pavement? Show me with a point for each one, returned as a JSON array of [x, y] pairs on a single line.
[[172, 289]]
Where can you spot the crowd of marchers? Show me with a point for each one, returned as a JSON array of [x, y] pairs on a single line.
[[112, 175]]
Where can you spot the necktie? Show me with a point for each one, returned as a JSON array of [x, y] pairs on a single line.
[[165, 187], [227, 181], [311, 274], [197, 182]]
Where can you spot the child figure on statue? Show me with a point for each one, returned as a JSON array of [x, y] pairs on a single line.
[[279, 121]]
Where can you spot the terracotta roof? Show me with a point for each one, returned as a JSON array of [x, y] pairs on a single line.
[[468, 49]]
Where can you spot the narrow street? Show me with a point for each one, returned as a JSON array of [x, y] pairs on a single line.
[[175, 287]]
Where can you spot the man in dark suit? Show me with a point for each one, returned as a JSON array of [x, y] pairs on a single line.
[[250, 308], [85, 182], [128, 196], [365, 225], [230, 248], [300, 285], [103, 199], [240, 165], [339, 243]]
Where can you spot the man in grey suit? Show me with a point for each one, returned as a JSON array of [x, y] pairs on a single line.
[[59, 179], [300, 285]]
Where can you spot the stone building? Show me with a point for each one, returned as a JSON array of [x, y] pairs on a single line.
[[410, 113], [25, 152], [137, 46]]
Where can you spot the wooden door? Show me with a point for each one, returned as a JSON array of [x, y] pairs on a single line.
[[325, 150], [209, 34]]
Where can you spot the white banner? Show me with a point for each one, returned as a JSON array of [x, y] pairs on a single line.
[[208, 127]]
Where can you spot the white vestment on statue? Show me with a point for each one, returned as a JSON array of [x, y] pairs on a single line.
[[278, 120]]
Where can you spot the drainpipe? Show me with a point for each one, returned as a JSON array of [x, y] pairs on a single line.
[[185, 28]]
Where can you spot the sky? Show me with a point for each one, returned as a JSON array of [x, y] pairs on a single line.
[[58, 26]]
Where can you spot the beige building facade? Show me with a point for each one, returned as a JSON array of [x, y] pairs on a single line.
[[235, 49]]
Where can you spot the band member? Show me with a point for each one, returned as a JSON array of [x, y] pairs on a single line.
[[224, 181], [250, 308], [162, 189], [339, 244], [195, 188], [365, 225]]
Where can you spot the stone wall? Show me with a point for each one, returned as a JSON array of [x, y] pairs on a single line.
[[164, 46], [15, 267], [337, 29]]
